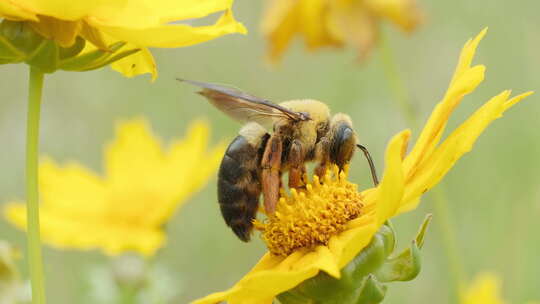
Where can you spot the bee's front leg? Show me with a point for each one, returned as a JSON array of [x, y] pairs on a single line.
[[322, 156], [297, 167], [271, 175]]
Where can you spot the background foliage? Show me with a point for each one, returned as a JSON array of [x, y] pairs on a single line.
[[493, 192]]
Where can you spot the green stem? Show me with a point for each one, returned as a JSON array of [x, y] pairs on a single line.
[[128, 295], [443, 216], [32, 196]]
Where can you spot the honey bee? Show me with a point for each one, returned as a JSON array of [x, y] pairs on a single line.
[[301, 131]]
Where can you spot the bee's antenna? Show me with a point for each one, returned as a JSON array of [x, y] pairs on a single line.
[[371, 165]]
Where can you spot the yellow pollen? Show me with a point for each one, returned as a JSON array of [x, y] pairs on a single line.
[[311, 216]]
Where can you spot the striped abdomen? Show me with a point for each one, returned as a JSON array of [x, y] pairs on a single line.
[[239, 185]]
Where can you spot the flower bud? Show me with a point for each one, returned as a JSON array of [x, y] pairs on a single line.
[[362, 279]]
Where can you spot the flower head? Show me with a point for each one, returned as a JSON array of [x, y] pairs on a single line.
[[136, 24], [334, 23], [405, 179], [125, 210], [311, 217]]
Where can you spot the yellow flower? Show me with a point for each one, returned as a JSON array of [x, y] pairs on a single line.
[[140, 24], [125, 210], [336, 23], [485, 289], [405, 179]]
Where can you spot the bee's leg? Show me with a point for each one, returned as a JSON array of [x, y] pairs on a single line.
[[322, 155], [297, 168], [271, 172], [320, 170]]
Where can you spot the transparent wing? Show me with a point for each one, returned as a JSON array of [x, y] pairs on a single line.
[[244, 107]]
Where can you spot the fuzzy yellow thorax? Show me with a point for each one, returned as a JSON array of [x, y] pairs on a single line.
[[311, 216]]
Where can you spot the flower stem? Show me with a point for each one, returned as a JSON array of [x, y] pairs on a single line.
[[444, 218], [32, 141]]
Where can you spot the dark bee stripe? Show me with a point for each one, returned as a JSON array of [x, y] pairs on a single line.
[[239, 185]]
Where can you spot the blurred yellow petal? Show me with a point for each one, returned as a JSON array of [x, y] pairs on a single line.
[[71, 190], [403, 13], [485, 289], [337, 23], [350, 22], [176, 35], [128, 208], [122, 164], [312, 17], [279, 26]]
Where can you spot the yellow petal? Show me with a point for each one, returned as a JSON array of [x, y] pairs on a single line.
[[464, 81], [176, 35], [280, 24], [134, 150], [189, 164], [11, 11], [457, 144], [64, 9], [139, 63], [313, 15], [61, 31], [403, 13], [349, 243], [141, 14], [350, 22], [71, 190], [274, 275], [390, 191], [484, 290]]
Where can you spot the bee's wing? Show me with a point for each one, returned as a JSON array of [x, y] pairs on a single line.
[[244, 107]]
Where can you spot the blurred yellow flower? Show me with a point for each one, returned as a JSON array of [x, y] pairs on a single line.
[[334, 23], [405, 179], [141, 24], [125, 210], [485, 289]]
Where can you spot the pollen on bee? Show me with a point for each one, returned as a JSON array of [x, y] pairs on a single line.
[[311, 216]]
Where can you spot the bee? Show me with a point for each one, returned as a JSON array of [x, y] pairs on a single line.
[[301, 131]]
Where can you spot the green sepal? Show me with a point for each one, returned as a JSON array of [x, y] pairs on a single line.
[[362, 279], [20, 43], [324, 288], [17, 41], [74, 50], [45, 57], [406, 265], [371, 291]]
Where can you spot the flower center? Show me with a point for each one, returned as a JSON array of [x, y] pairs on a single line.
[[311, 216]]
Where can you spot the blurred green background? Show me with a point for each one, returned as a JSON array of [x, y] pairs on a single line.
[[493, 192]]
